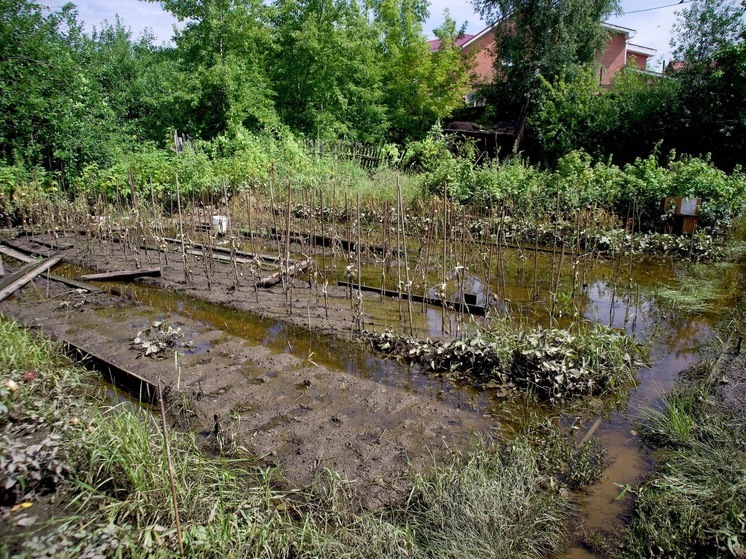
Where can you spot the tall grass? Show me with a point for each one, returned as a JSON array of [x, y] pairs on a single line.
[[694, 503], [117, 502], [491, 504]]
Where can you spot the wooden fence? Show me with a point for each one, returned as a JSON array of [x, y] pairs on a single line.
[[368, 156]]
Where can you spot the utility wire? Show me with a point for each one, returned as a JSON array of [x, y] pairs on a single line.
[[659, 7]]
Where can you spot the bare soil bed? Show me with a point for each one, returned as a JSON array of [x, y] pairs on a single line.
[[290, 411]]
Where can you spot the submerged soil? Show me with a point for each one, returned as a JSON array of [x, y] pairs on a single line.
[[292, 412]]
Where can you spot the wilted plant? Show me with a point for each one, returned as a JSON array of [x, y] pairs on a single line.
[[159, 337]]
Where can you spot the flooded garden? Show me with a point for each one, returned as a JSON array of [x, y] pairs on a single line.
[[382, 337]]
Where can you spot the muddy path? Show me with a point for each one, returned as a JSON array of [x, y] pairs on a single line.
[[292, 412]]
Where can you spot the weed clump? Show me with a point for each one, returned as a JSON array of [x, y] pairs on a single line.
[[553, 364], [492, 504], [693, 504]]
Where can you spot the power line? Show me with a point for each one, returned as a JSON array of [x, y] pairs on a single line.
[[659, 7]]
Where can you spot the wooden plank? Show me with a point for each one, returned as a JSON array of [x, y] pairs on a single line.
[[134, 384], [220, 257], [457, 306], [264, 257], [2, 270], [74, 283], [17, 274], [276, 278], [122, 275], [44, 253], [17, 255], [37, 269], [67, 281], [55, 245]]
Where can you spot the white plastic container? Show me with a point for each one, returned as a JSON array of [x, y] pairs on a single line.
[[220, 224]]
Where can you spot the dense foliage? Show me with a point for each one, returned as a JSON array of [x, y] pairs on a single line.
[[251, 82], [697, 107], [536, 38], [326, 69]]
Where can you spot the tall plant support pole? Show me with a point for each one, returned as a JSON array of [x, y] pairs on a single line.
[[181, 230], [406, 261], [286, 274], [462, 273], [177, 520], [430, 232], [248, 217], [445, 256], [359, 309], [231, 238], [274, 218], [325, 290], [385, 247], [398, 254]]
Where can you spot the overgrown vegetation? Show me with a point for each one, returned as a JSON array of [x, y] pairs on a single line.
[[553, 364], [113, 493], [693, 504]]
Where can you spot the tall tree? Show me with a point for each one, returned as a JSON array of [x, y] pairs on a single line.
[[51, 112], [325, 70], [419, 86], [709, 42], [704, 27], [546, 37], [129, 74], [222, 53]]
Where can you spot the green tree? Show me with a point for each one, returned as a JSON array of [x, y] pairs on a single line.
[[709, 40], [635, 117], [126, 73], [542, 37], [419, 86], [52, 113], [222, 58], [325, 71]]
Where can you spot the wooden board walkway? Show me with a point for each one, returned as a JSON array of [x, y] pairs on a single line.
[[122, 275], [269, 259]]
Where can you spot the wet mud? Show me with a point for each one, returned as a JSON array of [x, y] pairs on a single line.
[[296, 413]]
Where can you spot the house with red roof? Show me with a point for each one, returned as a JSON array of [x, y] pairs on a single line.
[[618, 53]]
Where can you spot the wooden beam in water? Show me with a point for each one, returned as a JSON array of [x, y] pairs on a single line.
[[44, 252], [122, 275], [134, 384], [264, 257], [469, 308], [276, 278], [67, 281], [14, 282]]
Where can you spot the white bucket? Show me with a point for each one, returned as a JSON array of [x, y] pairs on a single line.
[[220, 224]]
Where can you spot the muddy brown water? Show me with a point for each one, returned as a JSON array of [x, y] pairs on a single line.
[[625, 301]]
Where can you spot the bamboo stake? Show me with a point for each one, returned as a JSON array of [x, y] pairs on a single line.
[[287, 278], [181, 229], [445, 255]]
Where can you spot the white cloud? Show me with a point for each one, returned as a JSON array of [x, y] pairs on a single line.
[[134, 14], [653, 27]]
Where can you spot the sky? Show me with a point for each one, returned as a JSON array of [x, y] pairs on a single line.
[[653, 26]]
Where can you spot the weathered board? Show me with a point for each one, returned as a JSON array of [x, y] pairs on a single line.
[[122, 275], [30, 271]]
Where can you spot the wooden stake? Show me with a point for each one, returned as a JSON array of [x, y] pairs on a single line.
[[170, 469]]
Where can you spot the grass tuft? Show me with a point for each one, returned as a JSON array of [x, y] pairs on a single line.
[[694, 503]]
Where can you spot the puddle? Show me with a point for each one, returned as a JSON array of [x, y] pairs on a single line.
[[618, 295]]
